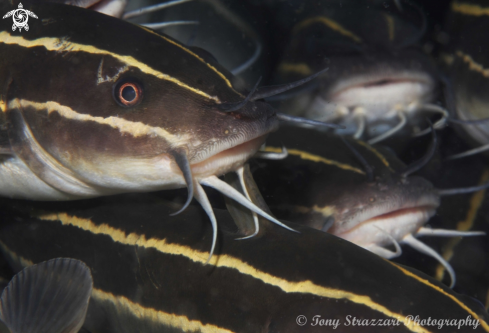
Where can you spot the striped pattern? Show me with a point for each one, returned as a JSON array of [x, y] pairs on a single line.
[[131, 308], [391, 26], [135, 129], [301, 69], [135, 53], [175, 80], [59, 35], [329, 23], [359, 46], [322, 178], [57, 87], [469, 9], [151, 272], [381, 157], [66, 45], [315, 158], [472, 64]]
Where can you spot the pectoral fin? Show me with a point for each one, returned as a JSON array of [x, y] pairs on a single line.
[[49, 297]]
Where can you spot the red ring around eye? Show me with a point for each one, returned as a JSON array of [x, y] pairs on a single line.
[[130, 94]]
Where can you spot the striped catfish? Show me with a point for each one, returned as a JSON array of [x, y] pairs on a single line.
[[354, 191], [150, 276], [378, 80], [467, 66], [92, 105]]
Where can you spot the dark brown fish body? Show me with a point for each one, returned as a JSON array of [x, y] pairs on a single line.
[[374, 71], [370, 199], [323, 185], [68, 127], [151, 276]]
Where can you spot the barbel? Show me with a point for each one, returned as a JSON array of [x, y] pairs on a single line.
[[372, 201], [468, 256], [378, 84], [143, 114]]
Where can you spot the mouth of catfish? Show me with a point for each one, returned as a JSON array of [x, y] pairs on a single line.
[[230, 154], [391, 87], [399, 217]]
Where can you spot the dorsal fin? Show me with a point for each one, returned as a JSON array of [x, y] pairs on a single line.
[[48, 297]]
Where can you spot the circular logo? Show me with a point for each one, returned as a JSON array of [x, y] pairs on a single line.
[[20, 17], [301, 320]]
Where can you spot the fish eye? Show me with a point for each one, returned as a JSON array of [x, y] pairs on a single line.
[[128, 93]]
